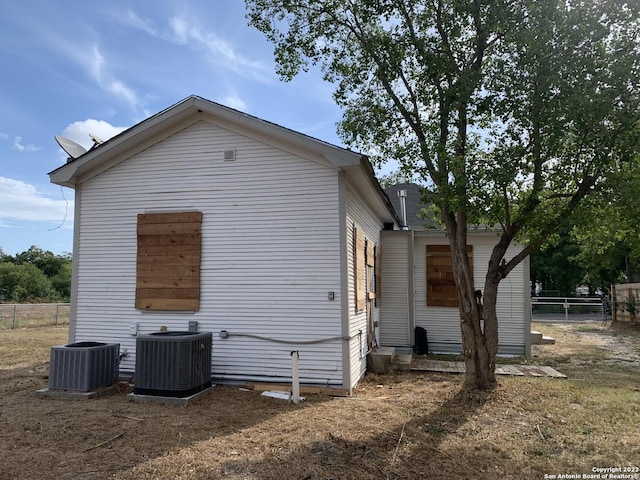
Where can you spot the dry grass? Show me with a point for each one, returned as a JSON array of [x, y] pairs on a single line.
[[33, 315], [399, 426]]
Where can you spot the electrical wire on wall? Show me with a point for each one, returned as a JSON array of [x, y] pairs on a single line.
[[66, 211], [225, 334]]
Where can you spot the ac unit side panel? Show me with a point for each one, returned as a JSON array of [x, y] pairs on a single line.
[[173, 365], [83, 368]]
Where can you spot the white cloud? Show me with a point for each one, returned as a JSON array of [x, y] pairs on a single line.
[[79, 131], [17, 144], [24, 202], [234, 101], [180, 31], [130, 18], [218, 50], [89, 57], [98, 69]]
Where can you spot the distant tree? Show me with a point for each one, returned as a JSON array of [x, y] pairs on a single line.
[[556, 265], [61, 282], [35, 274], [24, 283], [47, 261], [607, 229], [5, 257], [397, 177], [513, 111]]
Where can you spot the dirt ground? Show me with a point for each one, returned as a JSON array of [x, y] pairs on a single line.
[[397, 426]]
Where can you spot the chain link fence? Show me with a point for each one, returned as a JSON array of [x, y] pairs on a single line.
[[21, 315]]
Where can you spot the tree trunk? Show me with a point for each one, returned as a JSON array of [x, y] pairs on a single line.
[[478, 349]]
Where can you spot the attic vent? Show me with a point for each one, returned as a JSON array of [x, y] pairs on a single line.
[[229, 155]]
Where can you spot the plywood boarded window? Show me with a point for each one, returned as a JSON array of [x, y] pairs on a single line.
[[370, 261], [441, 288], [359, 260], [377, 276], [168, 265]]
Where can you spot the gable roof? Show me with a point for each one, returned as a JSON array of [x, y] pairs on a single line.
[[192, 109], [414, 206]]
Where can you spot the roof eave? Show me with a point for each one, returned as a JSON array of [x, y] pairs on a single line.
[[378, 197], [68, 174]]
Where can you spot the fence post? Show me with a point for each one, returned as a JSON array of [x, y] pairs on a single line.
[[14, 316], [566, 309], [57, 309]]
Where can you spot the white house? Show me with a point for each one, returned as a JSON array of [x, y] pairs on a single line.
[[205, 214], [202, 216], [418, 288]]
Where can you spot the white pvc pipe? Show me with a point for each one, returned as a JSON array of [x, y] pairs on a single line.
[[295, 377]]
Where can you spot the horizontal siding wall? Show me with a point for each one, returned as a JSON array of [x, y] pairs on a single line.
[[443, 323], [362, 217], [395, 312], [270, 243]]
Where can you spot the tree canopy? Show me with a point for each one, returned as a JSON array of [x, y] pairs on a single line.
[[511, 111], [35, 275]]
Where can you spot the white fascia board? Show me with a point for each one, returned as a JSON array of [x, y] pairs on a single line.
[[67, 175], [192, 108], [363, 180]]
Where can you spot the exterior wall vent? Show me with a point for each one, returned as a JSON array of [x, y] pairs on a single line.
[[172, 364], [83, 366], [229, 155]]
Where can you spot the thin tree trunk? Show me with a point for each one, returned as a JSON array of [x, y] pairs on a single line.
[[478, 354]]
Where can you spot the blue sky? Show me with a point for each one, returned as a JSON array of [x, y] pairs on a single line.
[[73, 68]]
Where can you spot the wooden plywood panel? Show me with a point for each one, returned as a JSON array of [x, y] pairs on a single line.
[[169, 218], [370, 254], [441, 286], [360, 270], [168, 261], [168, 228], [377, 273], [168, 304]]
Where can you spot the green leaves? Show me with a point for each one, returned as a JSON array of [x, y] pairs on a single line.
[[35, 274], [512, 110]]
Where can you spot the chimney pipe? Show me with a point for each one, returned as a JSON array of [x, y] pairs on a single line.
[[402, 194]]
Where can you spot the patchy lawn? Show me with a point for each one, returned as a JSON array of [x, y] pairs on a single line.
[[399, 426]]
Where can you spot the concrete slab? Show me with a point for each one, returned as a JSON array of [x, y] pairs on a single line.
[[536, 337], [403, 362], [73, 395], [380, 359], [168, 400]]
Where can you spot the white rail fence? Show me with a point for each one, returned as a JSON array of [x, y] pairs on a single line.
[[19, 315], [570, 305]]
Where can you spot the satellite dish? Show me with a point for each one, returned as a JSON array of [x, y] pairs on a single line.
[[73, 149], [96, 140]]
